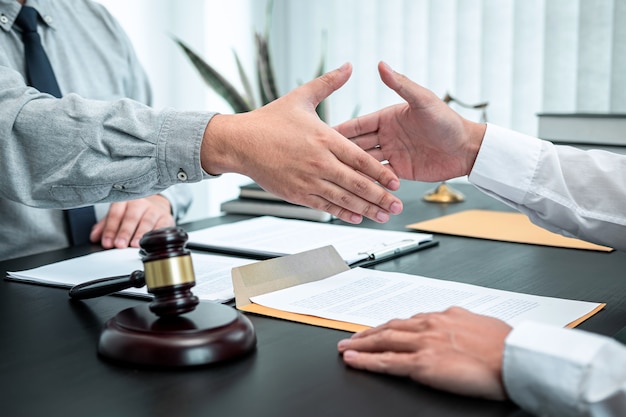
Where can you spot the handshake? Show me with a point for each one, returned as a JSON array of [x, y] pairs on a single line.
[[348, 170]]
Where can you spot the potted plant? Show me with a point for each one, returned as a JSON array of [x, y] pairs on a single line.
[[267, 90]]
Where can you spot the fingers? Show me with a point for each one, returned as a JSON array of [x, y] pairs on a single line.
[[348, 189], [368, 165], [127, 222], [366, 141], [400, 335], [359, 126], [423, 329], [354, 201], [119, 226], [414, 94], [324, 85], [391, 340], [447, 370], [149, 221], [350, 193], [392, 363], [455, 350]]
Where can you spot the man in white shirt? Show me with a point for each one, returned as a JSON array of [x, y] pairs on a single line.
[[560, 188]]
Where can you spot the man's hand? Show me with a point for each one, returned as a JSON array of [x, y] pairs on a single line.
[[422, 139], [456, 351], [126, 222], [289, 151]]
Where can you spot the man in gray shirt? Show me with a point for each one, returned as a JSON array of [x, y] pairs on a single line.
[[72, 151], [92, 58]]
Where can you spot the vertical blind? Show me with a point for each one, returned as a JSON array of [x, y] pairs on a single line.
[[522, 56]]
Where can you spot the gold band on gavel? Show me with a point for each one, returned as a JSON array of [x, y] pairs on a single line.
[[169, 271]]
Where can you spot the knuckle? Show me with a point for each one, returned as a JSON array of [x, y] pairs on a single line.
[[362, 160], [432, 320], [345, 199], [395, 323], [453, 310]]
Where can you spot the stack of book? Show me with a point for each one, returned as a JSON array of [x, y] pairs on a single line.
[[583, 128], [256, 201]]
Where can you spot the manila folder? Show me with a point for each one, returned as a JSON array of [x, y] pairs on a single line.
[[284, 272]]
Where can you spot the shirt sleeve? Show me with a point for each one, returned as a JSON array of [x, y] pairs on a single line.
[[561, 188], [551, 371], [122, 149], [180, 198]]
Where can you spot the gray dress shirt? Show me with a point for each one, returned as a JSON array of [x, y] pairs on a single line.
[[98, 143]]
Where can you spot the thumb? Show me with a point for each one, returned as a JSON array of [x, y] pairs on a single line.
[[414, 94], [324, 85]]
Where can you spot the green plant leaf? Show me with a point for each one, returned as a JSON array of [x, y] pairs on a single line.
[[247, 86], [216, 81], [322, 107], [267, 83], [265, 72], [269, 9], [356, 111]]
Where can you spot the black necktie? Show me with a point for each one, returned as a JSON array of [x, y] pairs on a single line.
[[39, 74]]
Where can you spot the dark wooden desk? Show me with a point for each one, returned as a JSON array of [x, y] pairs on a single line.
[[49, 365]]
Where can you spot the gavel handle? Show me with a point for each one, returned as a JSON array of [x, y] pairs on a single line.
[[106, 286]]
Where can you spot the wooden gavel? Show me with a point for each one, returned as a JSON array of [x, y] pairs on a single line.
[[168, 274], [175, 329]]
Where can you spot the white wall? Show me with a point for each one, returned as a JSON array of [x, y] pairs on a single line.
[[213, 29], [522, 56]]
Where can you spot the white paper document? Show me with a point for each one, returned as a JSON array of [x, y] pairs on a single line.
[[370, 298], [279, 236], [212, 272]]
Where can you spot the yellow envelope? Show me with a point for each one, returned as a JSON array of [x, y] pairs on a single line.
[[286, 271], [503, 226]]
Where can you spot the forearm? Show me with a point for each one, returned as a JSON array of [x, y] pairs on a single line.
[[115, 151], [560, 188]]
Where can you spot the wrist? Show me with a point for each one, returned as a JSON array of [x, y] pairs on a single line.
[[476, 133], [218, 152], [162, 201]]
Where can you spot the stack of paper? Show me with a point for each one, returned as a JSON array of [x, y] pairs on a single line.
[[212, 272], [268, 237], [316, 287]]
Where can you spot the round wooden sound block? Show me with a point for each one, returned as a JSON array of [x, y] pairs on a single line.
[[209, 334]]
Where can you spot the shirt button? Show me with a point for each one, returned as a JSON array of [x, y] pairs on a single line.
[[4, 19], [182, 175], [118, 187]]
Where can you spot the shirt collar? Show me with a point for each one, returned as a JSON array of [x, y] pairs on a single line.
[[9, 10]]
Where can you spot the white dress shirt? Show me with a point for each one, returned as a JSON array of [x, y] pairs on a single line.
[[552, 371]]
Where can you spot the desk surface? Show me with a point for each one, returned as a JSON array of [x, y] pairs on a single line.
[[50, 367]]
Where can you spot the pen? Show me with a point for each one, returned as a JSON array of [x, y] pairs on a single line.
[[394, 251], [242, 253]]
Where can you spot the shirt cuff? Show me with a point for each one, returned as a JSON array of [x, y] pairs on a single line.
[[178, 152], [544, 367], [506, 163]]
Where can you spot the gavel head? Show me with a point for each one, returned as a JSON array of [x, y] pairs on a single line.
[[168, 271]]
